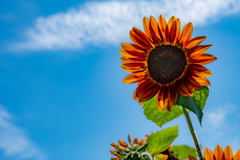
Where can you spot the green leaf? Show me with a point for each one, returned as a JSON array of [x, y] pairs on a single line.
[[200, 97], [195, 103], [188, 102], [160, 140], [183, 151], [152, 112]]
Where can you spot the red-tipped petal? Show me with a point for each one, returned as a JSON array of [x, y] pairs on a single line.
[[194, 42], [185, 34]]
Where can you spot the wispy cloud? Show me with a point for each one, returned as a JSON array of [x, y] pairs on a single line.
[[218, 127], [216, 119], [109, 22], [14, 142]]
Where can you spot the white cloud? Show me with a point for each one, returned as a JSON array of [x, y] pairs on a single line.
[[216, 119], [219, 128], [14, 142], [109, 22]]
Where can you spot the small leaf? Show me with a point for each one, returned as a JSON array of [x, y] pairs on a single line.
[[188, 102], [195, 103], [200, 97], [160, 140], [152, 112], [183, 151]]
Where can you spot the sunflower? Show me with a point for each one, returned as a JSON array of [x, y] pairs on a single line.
[[219, 154], [165, 61]]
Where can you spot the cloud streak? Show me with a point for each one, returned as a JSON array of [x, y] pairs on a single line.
[[109, 22], [218, 127], [14, 142]]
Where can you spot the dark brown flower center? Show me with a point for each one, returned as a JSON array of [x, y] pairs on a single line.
[[166, 63]]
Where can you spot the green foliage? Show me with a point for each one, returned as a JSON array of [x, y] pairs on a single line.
[[195, 103], [183, 151], [160, 140], [201, 96], [152, 112]]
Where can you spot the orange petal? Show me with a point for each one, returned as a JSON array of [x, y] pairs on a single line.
[[134, 67], [191, 158], [198, 50], [154, 30], [218, 152], [170, 22], [126, 54], [228, 153], [133, 60], [178, 30], [167, 34], [159, 99], [188, 85], [136, 141], [199, 70], [173, 32], [208, 154], [142, 37], [237, 155], [202, 81], [129, 139], [162, 26], [138, 84], [173, 96], [185, 34], [147, 136], [115, 146], [195, 84], [146, 27], [166, 97], [194, 42], [134, 96], [203, 59], [136, 40], [143, 142], [140, 89], [162, 156], [114, 153], [134, 50], [149, 92], [163, 97], [122, 143], [182, 89]]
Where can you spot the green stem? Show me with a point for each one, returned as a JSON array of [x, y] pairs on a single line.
[[193, 133]]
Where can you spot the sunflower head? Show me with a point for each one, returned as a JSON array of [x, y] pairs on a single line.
[[165, 61]]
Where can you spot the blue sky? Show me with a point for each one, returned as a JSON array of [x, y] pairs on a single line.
[[62, 96]]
